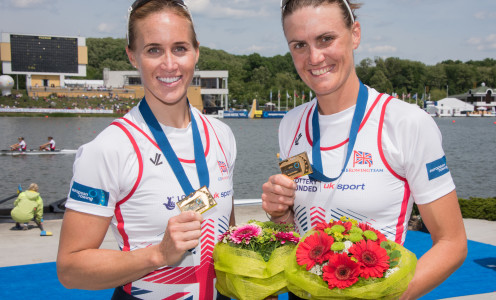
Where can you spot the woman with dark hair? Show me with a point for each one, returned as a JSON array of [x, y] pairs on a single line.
[[20, 145], [48, 146], [372, 156], [136, 174]]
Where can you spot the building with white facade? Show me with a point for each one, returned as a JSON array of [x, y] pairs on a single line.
[[213, 86]]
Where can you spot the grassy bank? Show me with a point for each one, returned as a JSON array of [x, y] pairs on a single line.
[[19, 99], [479, 208], [474, 208]]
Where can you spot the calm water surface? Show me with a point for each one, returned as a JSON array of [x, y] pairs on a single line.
[[469, 144]]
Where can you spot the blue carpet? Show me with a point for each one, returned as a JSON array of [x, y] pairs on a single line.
[[40, 281], [477, 275]]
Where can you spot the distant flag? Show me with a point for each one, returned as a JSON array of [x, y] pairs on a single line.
[[287, 97], [409, 96], [302, 96], [294, 98], [415, 96], [278, 99]]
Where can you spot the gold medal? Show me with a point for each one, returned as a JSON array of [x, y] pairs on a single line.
[[296, 166], [200, 201]]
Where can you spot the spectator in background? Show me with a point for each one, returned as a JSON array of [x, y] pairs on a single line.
[[29, 206]]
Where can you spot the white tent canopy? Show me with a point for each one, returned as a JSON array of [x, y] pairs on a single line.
[[451, 107]]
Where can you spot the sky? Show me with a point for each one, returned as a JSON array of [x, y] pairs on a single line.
[[429, 31]]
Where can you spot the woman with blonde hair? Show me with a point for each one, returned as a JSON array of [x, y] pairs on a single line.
[[132, 176], [29, 206]]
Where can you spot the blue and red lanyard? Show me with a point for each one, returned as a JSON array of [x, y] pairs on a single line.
[[170, 155], [358, 115]]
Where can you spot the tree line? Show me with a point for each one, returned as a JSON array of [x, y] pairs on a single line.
[[257, 77]]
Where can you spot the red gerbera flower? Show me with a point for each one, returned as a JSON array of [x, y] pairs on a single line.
[[347, 225], [380, 237], [314, 249], [372, 258], [322, 226], [341, 271]]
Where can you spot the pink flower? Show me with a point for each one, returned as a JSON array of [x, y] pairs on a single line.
[[287, 237], [244, 233], [224, 235]]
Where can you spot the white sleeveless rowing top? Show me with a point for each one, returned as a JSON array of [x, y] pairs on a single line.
[[376, 185], [142, 192]]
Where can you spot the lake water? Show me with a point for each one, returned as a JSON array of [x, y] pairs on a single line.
[[469, 144]]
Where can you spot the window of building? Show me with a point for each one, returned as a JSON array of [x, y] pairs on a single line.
[[134, 80]]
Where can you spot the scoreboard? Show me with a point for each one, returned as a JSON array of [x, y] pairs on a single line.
[[44, 54]]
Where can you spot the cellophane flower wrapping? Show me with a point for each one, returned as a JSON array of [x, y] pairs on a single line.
[[249, 259], [345, 276]]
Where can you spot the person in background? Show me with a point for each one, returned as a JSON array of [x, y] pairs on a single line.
[[20, 145], [49, 146], [373, 156], [29, 206], [132, 175]]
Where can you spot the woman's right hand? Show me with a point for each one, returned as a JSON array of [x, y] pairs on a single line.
[[183, 233], [278, 196]]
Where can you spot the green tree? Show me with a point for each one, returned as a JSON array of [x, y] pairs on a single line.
[[365, 70], [380, 82]]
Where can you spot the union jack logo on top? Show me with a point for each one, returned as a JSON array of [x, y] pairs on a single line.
[[223, 167], [362, 158]]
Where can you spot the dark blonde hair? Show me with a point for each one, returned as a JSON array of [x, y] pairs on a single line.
[[294, 5], [33, 187], [154, 6]]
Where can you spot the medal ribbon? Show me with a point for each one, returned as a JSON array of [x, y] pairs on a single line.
[[361, 104], [170, 155]]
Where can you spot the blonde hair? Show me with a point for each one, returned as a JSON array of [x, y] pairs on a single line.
[[156, 6], [33, 187]]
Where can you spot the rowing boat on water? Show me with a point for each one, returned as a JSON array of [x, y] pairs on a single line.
[[37, 152]]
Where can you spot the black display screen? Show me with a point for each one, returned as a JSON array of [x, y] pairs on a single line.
[[44, 54]]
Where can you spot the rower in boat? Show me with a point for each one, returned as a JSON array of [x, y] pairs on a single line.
[[20, 145], [49, 146]]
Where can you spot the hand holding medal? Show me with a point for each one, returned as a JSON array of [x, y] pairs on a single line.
[[296, 166], [200, 201]]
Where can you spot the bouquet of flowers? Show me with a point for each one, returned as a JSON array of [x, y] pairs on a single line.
[[349, 260], [249, 259]]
